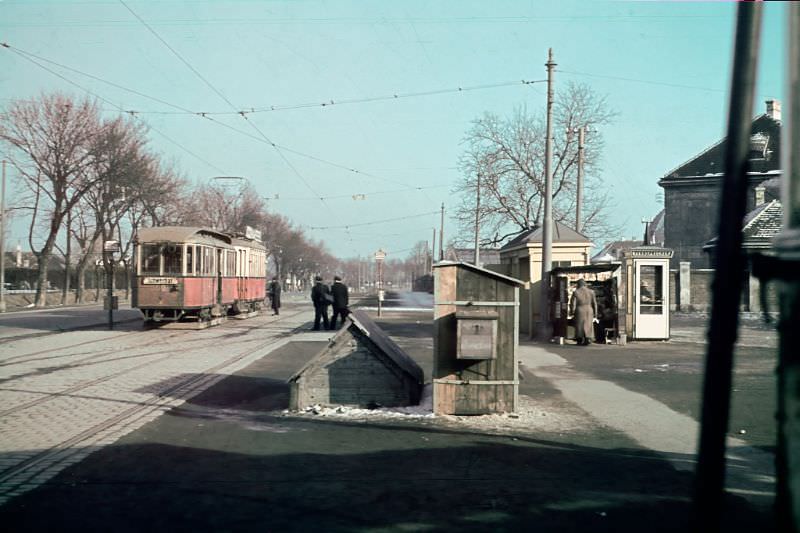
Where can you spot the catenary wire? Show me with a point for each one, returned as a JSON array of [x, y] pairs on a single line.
[[344, 226], [234, 108], [28, 56], [109, 102]]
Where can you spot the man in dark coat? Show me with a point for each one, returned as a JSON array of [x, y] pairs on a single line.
[[583, 307], [321, 296], [274, 292], [340, 301]]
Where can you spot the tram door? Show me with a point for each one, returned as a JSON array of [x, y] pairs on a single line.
[[651, 306]]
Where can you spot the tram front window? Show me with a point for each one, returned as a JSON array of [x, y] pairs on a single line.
[[151, 259]]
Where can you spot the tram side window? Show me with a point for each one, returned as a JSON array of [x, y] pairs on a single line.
[[231, 258], [205, 265], [172, 259], [189, 260], [151, 259]]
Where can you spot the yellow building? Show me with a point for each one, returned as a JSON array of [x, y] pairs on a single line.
[[521, 258]]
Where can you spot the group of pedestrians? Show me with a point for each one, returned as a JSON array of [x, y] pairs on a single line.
[[323, 296]]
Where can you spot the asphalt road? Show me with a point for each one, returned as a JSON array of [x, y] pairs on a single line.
[[225, 456]]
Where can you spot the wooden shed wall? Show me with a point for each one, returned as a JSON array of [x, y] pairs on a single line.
[[492, 384]]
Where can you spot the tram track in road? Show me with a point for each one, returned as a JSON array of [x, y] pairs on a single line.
[[167, 354], [32, 471], [17, 359]]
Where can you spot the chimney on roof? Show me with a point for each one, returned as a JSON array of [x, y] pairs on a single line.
[[774, 109], [758, 192]]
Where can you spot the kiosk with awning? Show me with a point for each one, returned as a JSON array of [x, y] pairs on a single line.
[[604, 280]]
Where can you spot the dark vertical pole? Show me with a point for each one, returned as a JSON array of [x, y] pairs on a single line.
[[547, 220], [433, 250], [110, 288], [728, 278], [477, 261], [3, 239], [787, 247], [579, 194], [441, 237]]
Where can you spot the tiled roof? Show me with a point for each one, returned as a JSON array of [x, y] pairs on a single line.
[[489, 256], [763, 222], [561, 233], [761, 225]]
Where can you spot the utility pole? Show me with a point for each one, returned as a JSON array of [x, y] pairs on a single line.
[[547, 223], [3, 241], [579, 199], [433, 250], [441, 237], [477, 220]]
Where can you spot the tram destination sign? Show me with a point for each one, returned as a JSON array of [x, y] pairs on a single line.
[[160, 281]]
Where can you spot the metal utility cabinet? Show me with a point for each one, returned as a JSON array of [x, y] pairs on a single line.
[[476, 334]]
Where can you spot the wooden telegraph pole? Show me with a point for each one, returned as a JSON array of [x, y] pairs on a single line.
[[547, 223]]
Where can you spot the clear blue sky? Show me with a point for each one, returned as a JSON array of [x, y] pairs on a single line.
[[663, 65]]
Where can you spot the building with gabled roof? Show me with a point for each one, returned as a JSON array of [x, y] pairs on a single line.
[[521, 258], [692, 190]]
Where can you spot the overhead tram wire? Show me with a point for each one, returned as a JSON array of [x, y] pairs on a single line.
[[120, 108], [366, 194], [182, 110], [28, 55], [253, 110], [363, 100], [234, 108], [397, 219]]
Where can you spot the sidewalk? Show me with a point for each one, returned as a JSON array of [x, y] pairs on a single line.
[[652, 424]]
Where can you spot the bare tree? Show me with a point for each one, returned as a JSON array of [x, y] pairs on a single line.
[[224, 208], [505, 158], [51, 141]]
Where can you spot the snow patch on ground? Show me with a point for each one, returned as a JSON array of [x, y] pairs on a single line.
[[540, 416]]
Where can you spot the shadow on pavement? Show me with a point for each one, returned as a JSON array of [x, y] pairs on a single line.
[[227, 461]]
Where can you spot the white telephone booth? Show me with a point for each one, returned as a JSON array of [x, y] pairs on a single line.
[[646, 272]]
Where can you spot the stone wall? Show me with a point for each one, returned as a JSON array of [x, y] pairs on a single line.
[[700, 292]]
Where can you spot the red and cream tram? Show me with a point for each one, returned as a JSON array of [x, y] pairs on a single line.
[[187, 273]]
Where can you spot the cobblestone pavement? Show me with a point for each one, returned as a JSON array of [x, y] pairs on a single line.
[[65, 395]]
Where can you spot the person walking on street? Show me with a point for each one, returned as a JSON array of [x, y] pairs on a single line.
[[321, 297], [340, 301], [274, 292], [583, 307]]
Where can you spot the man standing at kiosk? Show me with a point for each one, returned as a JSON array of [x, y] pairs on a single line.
[[583, 307]]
